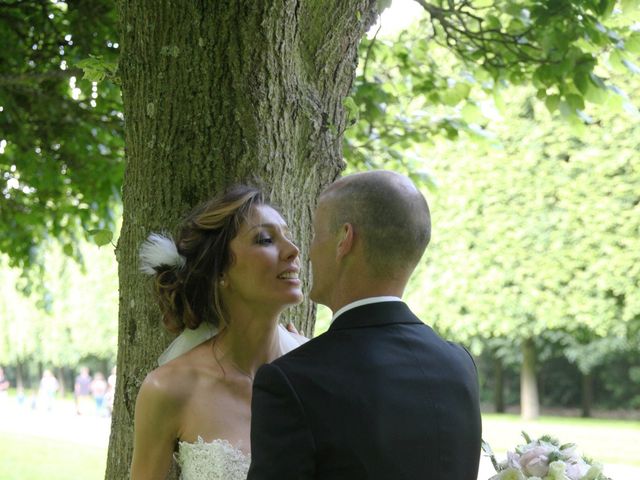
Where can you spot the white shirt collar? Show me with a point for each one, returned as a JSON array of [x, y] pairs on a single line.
[[364, 301]]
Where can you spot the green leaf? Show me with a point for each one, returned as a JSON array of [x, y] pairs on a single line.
[[615, 60], [96, 68], [552, 102], [471, 113], [492, 23], [353, 111], [565, 109], [456, 94], [605, 7], [101, 236], [632, 43], [596, 90], [581, 81], [68, 249], [576, 102]]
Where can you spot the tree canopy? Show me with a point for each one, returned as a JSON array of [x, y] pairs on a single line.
[[61, 150], [61, 145], [436, 80], [542, 234]]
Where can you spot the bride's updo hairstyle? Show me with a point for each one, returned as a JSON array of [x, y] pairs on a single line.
[[188, 272]]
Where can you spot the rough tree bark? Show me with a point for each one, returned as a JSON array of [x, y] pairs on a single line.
[[216, 93], [529, 404]]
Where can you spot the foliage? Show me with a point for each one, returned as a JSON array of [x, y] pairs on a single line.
[[61, 149], [412, 90], [538, 236], [61, 145], [74, 317]]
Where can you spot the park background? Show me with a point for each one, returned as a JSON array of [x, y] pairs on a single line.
[[534, 263]]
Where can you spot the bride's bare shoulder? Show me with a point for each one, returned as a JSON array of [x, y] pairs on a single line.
[[174, 381]]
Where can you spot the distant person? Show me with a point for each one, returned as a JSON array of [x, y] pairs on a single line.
[[47, 390], [4, 386], [111, 391], [99, 388], [379, 396], [82, 392]]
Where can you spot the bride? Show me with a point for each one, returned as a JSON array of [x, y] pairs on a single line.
[[224, 282]]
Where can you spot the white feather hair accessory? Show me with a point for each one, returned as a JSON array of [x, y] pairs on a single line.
[[159, 250]]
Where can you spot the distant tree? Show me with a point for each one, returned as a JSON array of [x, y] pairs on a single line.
[[539, 234]]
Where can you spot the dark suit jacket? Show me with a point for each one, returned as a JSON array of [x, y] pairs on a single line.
[[378, 396]]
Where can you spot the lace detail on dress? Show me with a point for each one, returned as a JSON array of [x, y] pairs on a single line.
[[216, 460]]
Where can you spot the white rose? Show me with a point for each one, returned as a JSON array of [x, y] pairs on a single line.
[[594, 471], [556, 471], [509, 474], [535, 462], [577, 470], [570, 454]]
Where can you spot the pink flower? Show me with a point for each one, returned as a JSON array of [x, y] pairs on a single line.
[[535, 462], [513, 460]]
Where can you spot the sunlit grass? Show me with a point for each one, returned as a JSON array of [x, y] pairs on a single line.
[[34, 458], [605, 440]]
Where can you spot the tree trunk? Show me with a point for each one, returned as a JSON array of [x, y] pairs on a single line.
[[587, 393], [217, 93], [529, 404], [19, 376], [498, 388], [61, 381]]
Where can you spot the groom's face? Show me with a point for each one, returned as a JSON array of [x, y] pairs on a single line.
[[322, 254]]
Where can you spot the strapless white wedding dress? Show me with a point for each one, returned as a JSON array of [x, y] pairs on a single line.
[[218, 459]]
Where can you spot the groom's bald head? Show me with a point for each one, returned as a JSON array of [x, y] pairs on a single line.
[[387, 212]]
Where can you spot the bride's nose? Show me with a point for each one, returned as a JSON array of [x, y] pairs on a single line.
[[290, 250]]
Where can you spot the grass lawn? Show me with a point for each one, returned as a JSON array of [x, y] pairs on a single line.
[[36, 458], [31, 457], [604, 440]]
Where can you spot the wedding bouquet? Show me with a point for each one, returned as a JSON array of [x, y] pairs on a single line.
[[544, 459]]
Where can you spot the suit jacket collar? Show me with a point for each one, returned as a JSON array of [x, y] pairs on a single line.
[[374, 315]]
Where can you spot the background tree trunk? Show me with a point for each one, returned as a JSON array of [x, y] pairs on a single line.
[[19, 375], [587, 393], [529, 404], [498, 388], [215, 93]]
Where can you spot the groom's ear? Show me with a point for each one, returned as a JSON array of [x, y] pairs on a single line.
[[345, 241]]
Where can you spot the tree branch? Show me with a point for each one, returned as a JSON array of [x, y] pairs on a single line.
[[366, 58], [31, 78]]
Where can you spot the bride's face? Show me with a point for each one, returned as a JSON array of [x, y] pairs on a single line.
[[265, 266]]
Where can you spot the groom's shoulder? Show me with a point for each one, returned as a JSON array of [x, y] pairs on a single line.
[[308, 352]]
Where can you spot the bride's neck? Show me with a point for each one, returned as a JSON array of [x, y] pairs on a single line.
[[249, 341]]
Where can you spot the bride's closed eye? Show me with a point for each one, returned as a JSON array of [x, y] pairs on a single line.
[[264, 239]]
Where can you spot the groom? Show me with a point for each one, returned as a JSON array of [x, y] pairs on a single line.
[[379, 395]]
